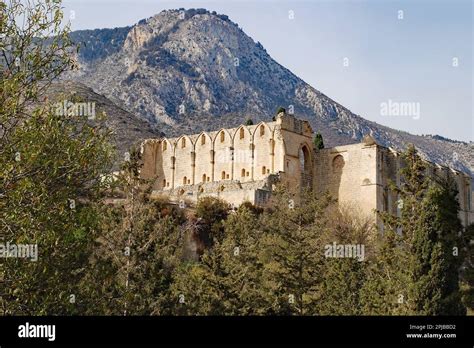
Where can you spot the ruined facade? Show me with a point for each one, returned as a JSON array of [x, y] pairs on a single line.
[[244, 163]]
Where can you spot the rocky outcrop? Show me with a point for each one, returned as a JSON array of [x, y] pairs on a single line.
[[193, 70]]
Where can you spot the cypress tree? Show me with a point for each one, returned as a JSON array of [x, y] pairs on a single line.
[[418, 252], [318, 141]]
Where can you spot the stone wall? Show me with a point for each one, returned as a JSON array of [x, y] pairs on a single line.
[[349, 174], [232, 191], [244, 154], [243, 163]]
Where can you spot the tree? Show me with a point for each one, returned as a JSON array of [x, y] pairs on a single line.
[[226, 280], [281, 109], [419, 246], [139, 246], [50, 166], [467, 274], [318, 141], [344, 277], [249, 122], [211, 213], [292, 252], [443, 277]]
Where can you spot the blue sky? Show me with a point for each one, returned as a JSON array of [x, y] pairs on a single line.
[[406, 60]]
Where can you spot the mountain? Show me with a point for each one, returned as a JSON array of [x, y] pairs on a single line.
[[127, 129], [190, 70]]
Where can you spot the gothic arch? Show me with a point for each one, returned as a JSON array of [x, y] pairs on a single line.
[[164, 164], [183, 149], [264, 151], [184, 140], [256, 132], [217, 137], [237, 133], [223, 154], [306, 165], [243, 154], [199, 142], [203, 158]]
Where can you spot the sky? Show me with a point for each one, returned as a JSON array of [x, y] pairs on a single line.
[[366, 55]]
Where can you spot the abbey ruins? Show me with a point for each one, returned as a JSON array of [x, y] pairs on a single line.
[[245, 163]]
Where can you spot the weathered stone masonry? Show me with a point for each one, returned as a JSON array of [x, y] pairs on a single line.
[[244, 163]]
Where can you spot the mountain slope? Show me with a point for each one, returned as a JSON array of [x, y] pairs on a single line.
[[194, 70], [128, 130]]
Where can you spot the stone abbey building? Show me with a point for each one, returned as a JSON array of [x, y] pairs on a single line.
[[244, 163]]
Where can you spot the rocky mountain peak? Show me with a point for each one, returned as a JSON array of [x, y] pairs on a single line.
[[191, 70]]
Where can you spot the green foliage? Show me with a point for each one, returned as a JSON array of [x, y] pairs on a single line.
[[418, 246], [292, 252], [467, 273], [211, 213], [318, 141], [140, 240], [249, 122], [50, 167], [107, 247], [281, 109], [226, 280], [343, 278]]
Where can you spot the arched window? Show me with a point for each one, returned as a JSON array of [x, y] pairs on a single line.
[[262, 130], [222, 137], [164, 182], [304, 160], [204, 178], [203, 140], [338, 163], [223, 175], [165, 145], [264, 170], [183, 143], [242, 133], [185, 180], [242, 172]]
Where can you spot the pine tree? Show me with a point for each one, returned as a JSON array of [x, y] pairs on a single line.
[[343, 277], [385, 288], [226, 279], [418, 248], [293, 253]]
